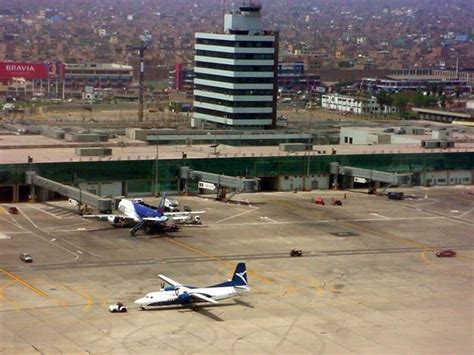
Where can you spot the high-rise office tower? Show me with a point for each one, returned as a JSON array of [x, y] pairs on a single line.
[[235, 82]]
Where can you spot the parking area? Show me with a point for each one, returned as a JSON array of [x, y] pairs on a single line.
[[368, 280]]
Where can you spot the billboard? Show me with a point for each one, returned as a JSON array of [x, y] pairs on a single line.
[[32, 71]]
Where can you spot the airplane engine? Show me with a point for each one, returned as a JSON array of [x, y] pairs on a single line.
[[197, 220], [183, 294], [115, 221]]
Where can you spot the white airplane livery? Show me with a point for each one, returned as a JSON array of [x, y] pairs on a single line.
[[178, 294], [143, 216]]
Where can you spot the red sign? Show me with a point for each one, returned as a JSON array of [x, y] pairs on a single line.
[[30, 71]]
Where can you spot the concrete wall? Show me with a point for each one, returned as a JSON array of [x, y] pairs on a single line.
[[358, 136], [111, 189], [447, 177], [402, 139], [300, 182]]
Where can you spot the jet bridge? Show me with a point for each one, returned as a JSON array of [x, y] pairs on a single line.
[[368, 175], [220, 183], [83, 197]]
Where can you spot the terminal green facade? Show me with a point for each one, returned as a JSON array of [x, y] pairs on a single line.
[[138, 176]]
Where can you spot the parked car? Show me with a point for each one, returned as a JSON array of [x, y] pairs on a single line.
[[336, 202], [26, 257], [12, 210], [119, 307], [448, 253], [8, 107]]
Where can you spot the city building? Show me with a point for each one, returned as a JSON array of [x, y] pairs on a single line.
[[97, 75], [292, 76], [391, 85], [235, 72], [356, 105], [181, 78]]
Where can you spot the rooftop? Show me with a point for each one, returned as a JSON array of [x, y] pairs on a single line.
[[17, 149]]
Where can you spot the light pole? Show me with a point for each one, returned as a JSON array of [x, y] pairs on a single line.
[[157, 157]]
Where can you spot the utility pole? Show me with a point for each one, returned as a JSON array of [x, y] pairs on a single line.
[[145, 41], [141, 51]]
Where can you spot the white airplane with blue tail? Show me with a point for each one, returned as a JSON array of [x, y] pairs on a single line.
[[143, 216], [177, 294]]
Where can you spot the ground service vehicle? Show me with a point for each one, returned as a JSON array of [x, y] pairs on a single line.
[[319, 201], [296, 252], [119, 307], [448, 253], [395, 195], [26, 257], [12, 210]]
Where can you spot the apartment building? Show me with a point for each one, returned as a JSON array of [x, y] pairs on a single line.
[[356, 105]]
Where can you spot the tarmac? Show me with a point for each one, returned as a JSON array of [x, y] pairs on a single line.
[[368, 280]]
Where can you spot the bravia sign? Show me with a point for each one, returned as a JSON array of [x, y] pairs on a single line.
[[29, 71]]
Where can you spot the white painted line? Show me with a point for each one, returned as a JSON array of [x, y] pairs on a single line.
[[45, 211], [336, 221], [466, 213], [379, 215], [237, 215], [265, 218], [17, 232]]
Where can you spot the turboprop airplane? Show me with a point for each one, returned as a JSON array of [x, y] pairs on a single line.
[[178, 294], [140, 215]]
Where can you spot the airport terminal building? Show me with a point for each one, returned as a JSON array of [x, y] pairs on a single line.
[[235, 82]]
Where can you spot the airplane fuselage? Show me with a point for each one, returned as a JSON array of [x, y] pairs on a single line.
[[180, 297]]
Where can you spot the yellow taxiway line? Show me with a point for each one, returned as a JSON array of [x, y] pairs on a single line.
[[24, 283], [215, 258]]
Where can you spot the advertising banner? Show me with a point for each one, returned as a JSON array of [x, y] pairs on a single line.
[[32, 71]]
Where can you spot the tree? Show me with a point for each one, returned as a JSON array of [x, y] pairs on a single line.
[[401, 100], [384, 99], [344, 64]]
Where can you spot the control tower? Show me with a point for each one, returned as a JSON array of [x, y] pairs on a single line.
[[236, 73]]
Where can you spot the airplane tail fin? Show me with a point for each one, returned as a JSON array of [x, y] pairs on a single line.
[[161, 204], [240, 275]]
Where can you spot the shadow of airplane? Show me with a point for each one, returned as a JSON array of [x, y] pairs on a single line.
[[243, 303], [199, 308]]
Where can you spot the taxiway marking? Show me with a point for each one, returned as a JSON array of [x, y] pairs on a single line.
[[237, 215], [82, 294], [215, 258], [333, 221], [466, 213], [24, 283], [379, 215], [425, 259]]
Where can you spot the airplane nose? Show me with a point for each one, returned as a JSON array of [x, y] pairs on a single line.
[[139, 301]]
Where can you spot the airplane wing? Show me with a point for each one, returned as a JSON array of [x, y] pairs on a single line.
[[108, 216], [155, 219], [179, 214], [204, 298], [169, 281]]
